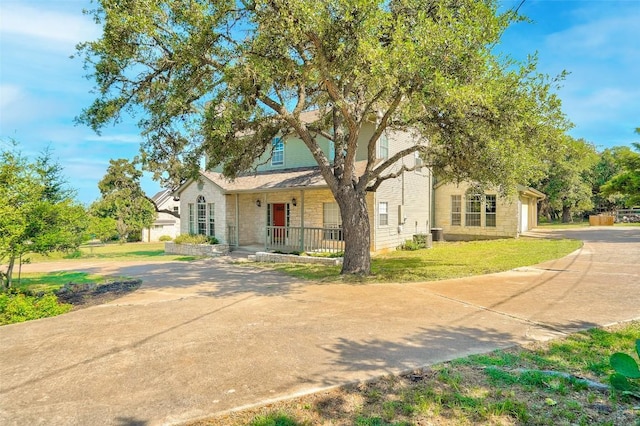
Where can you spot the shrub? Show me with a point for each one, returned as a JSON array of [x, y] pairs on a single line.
[[422, 240], [19, 307], [195, 239], [419, 241], [165, 238], [75, 254], [410, 245]]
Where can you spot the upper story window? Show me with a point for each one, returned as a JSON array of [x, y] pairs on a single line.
[[418, 161], [277, 157], [383, 147], [332, 151]]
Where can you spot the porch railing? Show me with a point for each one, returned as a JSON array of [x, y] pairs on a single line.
[[292, 238]]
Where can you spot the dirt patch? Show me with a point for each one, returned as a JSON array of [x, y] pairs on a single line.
[[85, 295]]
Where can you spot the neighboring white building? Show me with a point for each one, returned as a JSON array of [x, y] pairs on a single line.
[[167, 219]]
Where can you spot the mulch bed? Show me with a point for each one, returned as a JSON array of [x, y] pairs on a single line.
[[85, 295]]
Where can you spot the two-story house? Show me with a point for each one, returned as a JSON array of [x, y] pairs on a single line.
[[286, 205]]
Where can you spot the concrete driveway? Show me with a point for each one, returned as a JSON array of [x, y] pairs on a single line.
[[205, 337]]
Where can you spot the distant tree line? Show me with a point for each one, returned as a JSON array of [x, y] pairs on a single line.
[[581, 180]]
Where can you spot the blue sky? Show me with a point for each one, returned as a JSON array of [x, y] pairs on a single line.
[[42, 89]]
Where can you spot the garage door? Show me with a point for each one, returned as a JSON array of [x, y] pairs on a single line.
[[524, 216]]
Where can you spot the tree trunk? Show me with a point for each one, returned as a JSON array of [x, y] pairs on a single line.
[[356, 231], [9, 275], [566, 214]]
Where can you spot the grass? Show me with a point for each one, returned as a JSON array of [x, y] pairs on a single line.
[[445, 260], [113, 251], [52, 281], [498, 388]]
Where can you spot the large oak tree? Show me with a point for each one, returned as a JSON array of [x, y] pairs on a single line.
[[202, 72], [123, 199]]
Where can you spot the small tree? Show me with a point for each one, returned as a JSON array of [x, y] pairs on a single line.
[[102, 228], [37, 211], [123, 199]]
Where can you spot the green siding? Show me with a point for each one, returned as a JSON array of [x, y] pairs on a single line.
[[296, 153]]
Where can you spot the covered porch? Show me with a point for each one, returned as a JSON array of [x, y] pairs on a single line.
[[287, 221]]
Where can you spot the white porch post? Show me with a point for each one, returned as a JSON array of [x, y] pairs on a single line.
[[301, 220]]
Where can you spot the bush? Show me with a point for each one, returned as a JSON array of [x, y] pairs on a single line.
[[19, 307], [195, 239], [75, 254], [419, 241], [165, 238], [410, 245]]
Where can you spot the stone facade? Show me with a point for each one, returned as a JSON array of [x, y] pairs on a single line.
[[291, 258], [209, 250]]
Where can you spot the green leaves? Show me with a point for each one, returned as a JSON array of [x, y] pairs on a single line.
[[37, 212], [123, 200], [625, 365], [626, 371]]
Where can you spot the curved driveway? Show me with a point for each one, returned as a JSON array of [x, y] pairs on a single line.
[[204, 337]]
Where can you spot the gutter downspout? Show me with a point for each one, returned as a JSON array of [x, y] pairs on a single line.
[[237, 220]]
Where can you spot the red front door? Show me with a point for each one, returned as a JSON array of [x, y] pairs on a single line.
[[279, 219]]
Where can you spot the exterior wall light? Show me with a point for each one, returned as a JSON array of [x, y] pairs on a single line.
[[258, 203], [294, 201]]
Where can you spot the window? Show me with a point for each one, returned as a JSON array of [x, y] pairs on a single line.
[[192, 218], [212, 228], [332, 151], [331, 219], [473, 207], [418, 161], [383, 214], [383, 147], [202, 215], [490, 211], [277, 156], [456, 210]]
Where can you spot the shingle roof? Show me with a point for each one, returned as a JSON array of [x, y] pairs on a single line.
[[304, 177], [269, 181]]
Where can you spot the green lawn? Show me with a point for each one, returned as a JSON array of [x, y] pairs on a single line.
[[446, 260], [52, 281], [113, 251]]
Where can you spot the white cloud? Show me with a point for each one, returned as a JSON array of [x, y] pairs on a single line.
[[600, 36], [50, 29], [123, 138], [9, 94]]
